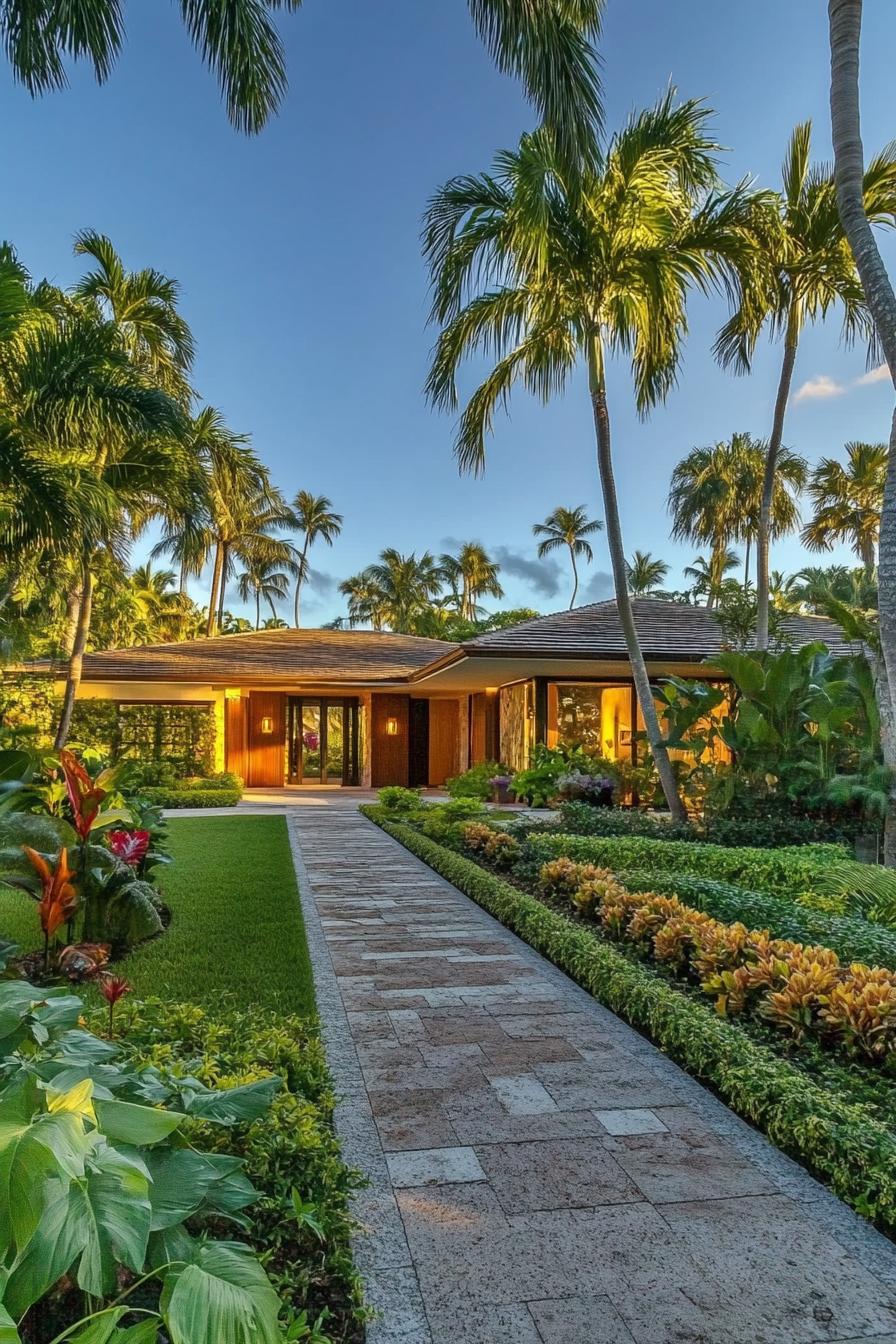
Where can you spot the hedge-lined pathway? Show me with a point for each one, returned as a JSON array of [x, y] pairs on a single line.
[[539, 1173]]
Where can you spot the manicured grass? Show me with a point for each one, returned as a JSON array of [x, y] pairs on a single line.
[[237, 923], [18, 919]]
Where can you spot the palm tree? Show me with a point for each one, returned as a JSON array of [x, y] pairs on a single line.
[[396, 592], [244, 524], [715, 496], [545, 271], [472, 574], [644, 574], [811, 272], [548, 45], [264, 582], [366, 600], [707, 576], [570, 528], [848, 502], [314, 515], [856, 217]]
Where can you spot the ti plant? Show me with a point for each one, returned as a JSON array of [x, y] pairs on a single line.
[[101, 1192]]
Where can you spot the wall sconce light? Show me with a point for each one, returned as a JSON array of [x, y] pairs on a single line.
[[267, 725], [391, 727]]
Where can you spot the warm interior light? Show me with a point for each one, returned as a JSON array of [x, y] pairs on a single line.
[[392, 727], [232, 693], [267, 725]]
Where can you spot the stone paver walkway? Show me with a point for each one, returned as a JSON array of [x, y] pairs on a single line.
[[539, 1173]]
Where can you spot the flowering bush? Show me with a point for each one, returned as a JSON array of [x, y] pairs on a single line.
[[577, 785], [129, 846]]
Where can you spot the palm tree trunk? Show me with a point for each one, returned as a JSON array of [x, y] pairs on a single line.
[[747, 562], [273, 608], [76, 661], [212, 621], [845, 20], [643, 691], [257, 608], [575, 578], [791, 342], [222, 591], [869, 558], [72, 611], [300, 579]]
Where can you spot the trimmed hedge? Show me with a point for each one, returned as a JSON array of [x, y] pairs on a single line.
[[838, 1140], [851, 939], [773, 831], [778, 872], [177, 798]]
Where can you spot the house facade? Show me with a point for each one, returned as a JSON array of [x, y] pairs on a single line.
[[357, 708]]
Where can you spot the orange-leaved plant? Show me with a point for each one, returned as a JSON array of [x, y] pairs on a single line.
[[58, 900]]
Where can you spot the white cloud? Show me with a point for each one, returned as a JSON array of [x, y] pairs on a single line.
[[879, 375], [819, 388]]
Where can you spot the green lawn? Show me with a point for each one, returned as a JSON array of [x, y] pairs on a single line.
[[237, 922]]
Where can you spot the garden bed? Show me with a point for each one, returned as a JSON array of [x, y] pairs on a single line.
[[828, 1115]]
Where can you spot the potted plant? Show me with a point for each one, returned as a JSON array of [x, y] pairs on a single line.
[[500, 787]]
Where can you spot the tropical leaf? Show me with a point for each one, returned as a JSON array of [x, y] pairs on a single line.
[[183, 1182], [51, 1251], [230, 1106], [223, 1297], [125, 1122], [116, 1215]]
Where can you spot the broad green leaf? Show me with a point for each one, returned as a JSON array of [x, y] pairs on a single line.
[[104, 1329], [183, 1180], [117, 1214], [234, 1105], [57, 1242], [31, 1153], [748, 673], [126, 1122], [224, 1297], [8, 1332], [169, 1246], [83, 1047]]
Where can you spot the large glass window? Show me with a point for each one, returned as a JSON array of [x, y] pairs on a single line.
[[597, 718]]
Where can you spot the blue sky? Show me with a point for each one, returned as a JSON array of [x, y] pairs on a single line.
[[299, 257]]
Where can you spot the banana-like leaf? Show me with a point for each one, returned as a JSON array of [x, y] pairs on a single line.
[[183, 1182], [52, 1250], [126, 1122], [34, 1150], [8, 1332], [230, 1106], [223, 1297], [117, 1215]]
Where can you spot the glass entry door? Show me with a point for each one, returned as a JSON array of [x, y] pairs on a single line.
[[322, 741]]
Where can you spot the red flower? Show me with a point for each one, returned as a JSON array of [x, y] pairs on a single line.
[[113, 988], [129, 846], [59, 899], [84, 795]]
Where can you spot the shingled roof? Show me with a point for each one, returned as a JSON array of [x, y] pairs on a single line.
[[668, 631], [272, 656]]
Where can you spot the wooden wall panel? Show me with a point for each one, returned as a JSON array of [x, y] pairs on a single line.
[[444, 743], [267, 751], [236, 724], [388, 755], [483, 727]]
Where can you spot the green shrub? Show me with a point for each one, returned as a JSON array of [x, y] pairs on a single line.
[[539, 784], [778, 872], [396, 799], [444, 821], [216, 796], [851, 939], [292, 1148], [838, 1139], [475, 782], [761, 832]]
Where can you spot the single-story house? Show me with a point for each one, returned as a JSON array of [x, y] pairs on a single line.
[[360, 707]]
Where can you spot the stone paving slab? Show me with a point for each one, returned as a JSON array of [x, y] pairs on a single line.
[[539, 1173]]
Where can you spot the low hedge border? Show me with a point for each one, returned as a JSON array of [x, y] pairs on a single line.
[[178, 798], [851, 939], [837, 1140], [787, 873]]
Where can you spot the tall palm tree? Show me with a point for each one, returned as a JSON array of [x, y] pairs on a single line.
[[856, 217], [848, 501], [715, 496], [262, 581], [811, 272], [316, 519], [396, 592], [545, 271], [245, 522], [707, 576], [570, 528], [548, 44], [645, 574], [472, 574]]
